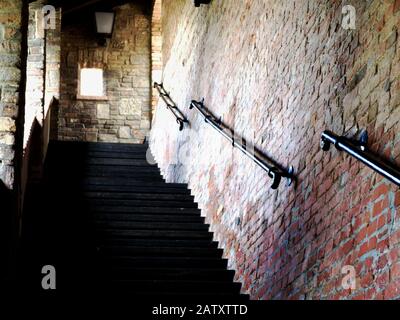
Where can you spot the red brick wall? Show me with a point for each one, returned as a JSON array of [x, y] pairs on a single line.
[[284, 71]]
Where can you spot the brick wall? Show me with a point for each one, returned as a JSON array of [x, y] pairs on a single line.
[[125, 116], [284, 71]]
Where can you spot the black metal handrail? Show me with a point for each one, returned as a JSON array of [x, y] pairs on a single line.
[[180, 118], [274, 172], [358, 150]]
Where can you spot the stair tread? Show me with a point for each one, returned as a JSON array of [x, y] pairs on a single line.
[[95, 168], [184, 285], [128, 182], [159, 234], [169, 251], [147, 217], [162, 262], [172, 273], [122, 225], [178, 297], [137, 234], [156, 190], [141, 203], [134, 209], [97, 145], [161, 242], [112, 161], [137, 195]]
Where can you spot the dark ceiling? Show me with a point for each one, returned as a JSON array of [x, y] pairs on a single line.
[[76, 11]]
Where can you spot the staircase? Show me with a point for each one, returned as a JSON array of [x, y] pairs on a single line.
[[110, 224]]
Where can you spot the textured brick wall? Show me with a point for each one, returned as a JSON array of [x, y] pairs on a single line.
[[13, 29], [156, 47], [125, 116], [35, 72], [43, 83], [11, 38], [53, 60], [284, 71]]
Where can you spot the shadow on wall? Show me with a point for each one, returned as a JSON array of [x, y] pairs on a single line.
[[9, 219], [8, 235], [36, 147]]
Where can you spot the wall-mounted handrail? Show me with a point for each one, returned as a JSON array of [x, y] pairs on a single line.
[[274, 172], [358, 150], [180, 118]]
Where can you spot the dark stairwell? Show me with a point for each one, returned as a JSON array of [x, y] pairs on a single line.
[[109, 224]]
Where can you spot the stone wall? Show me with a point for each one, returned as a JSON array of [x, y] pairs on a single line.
[[283, 72], [42, 85], [13, 29], [156, 48], [125, 115], [11, 37], [53, 63], [34, 94]]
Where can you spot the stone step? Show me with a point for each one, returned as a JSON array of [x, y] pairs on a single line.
[[159, 251], [154, 218], [137, 196], [154, 243], [135, 225], [141, 203], [171, 274], [146, 210], [155, 234], [178, 286], [165, 262]]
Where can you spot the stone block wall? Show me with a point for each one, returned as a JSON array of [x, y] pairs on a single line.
[[53, 63], [283, 72], [125, 115], [42, 85], [11, 37], [34, 94], [13, 33], [156, 50]]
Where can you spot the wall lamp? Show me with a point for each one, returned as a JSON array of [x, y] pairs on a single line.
[[197, 3], [104, 25]]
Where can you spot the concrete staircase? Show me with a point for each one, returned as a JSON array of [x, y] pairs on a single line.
[[110, 225]]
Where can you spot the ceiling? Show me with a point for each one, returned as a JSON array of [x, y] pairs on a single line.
[[76, 11]]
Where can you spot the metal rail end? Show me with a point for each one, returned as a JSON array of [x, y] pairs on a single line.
[[363, 141], [325, 143], [290, 177], [277, 177], [181, 124]]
